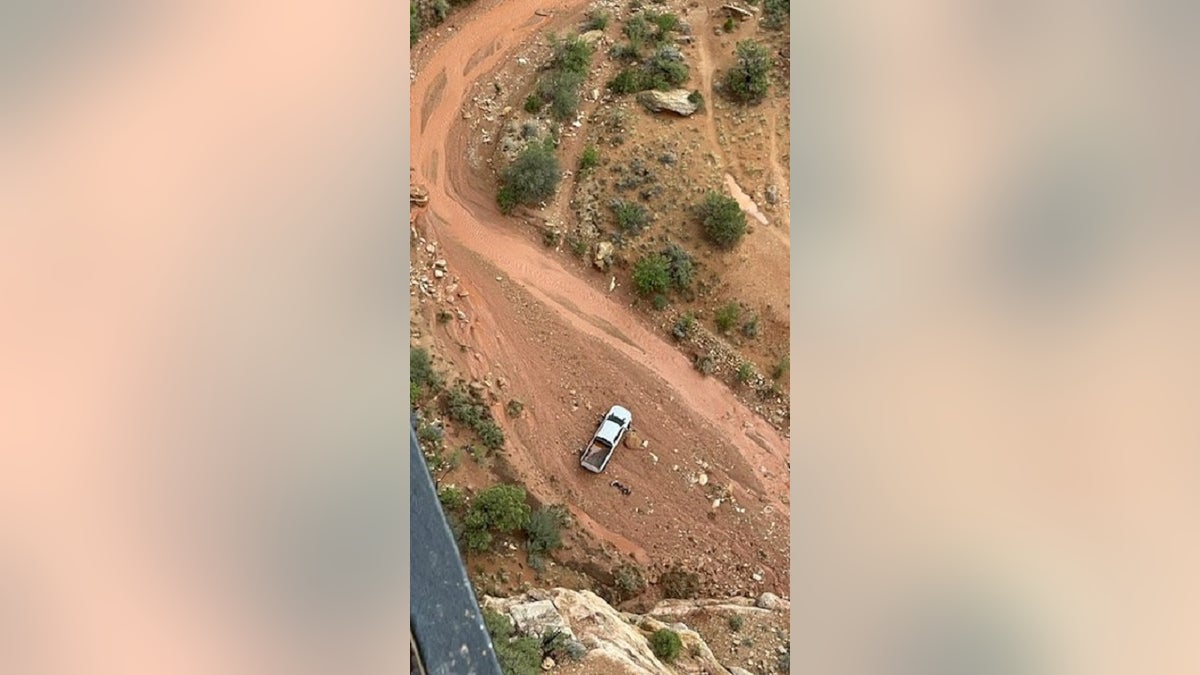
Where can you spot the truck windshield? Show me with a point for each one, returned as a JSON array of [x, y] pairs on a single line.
[[614, 418]]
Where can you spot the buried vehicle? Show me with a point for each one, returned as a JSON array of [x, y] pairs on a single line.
[[599, 451]]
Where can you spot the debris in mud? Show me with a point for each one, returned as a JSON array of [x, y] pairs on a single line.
[[622, 487]]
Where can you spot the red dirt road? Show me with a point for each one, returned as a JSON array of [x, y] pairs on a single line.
[[549, 332]]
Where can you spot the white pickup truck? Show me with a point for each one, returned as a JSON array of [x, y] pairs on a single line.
[[599, 451]]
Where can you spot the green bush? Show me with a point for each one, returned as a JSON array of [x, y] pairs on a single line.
[[681, 266], [776, 13], [750, 328], [500, 508], [467, 409], [736, 622], [723, 221], [414, 394], [727, 315], [631, 217], [781, 368], [665, 644], [666, 22], [625, 51], [637, 29], [651, 274], [684, 326], [570, 54], [517, 655], [544, 529], [532, 178], [414, 23], [746, 82], [441, 9], [534, 104], [665, 68], [597, 20], [420, 368], [560, 89], [514, 408], [628, 81], [729, 25], [451, 498], [590, 158], [659, 302], [629, 579], [745, 372]]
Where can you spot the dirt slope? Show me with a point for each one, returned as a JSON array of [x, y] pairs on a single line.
[[547, 332]]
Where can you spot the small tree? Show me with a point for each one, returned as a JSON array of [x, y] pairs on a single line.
[[544, 529], [746, 82], [532, 178], [723, 220], [681, 266], [651, 274], [665, 644]]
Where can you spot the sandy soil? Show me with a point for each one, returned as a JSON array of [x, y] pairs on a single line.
[[568, 350]]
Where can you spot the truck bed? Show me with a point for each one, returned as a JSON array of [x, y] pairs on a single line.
[[594, 455]]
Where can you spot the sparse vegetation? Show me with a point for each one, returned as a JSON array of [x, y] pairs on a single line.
[[684, 326], [629, 579], [706, 363], [517, 655], [664, 69], [544, 529], [723, 221], [590, 158], [514, 408], [665, 644], [744, 372], [736, 622], [550, 237], [776, 14], [746, 81], [652, 274], [750, 328], [466, 408], [728, 26], [726, 316], [531, 178], [681, 267], [781, 368], [679, 584], [631, 217], [420, 370], [452, 498], [500, 508], [597, 20]]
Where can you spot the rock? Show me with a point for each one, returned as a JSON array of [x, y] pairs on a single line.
[[734, 670], [439, 273], [439, 263], [604, 252], [676, 101], [612, 283], [595, 94], [430, 248], [632, 440], [703, 479], [547, 663], [772, 602], [772, 194], [418, 195], [756, 576]]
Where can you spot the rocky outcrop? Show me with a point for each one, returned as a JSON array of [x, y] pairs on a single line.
[[619, 642], [678, 101]]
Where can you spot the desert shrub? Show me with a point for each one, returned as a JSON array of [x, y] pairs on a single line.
[[467, 409], [681, 266], [514, 408], [679, 584], [746, 81], [560, 88], [570, 54], [631, 217], [550, 237], [659, 302], [665, 22], [420, 368], [534, 104], [665, 644], [500, 508], [414, 394], [736, 622], [722, 219], [597, 20], [726, 316], [696, 99], [651, 274], [706, 363], [744, 372], [750, 329], [590, 158], [628, 81], [517, 655], [665, 68], [776, 13], [441, 9], [637, 29], [414, 23], [430, 435], [451, 498], [629, 579], [684, 326], [781, 368], [444, 316], [728, 25], [578, 244], [532, 177], [544, 529], [625, 51]]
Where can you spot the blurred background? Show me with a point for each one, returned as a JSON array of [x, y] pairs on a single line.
[[995, 337]]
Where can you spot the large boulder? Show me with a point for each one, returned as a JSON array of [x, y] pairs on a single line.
[[678, 101]]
